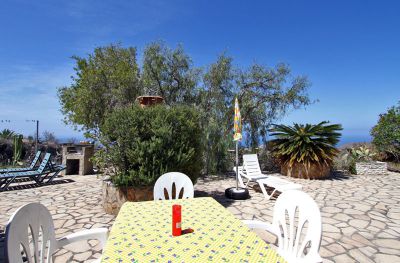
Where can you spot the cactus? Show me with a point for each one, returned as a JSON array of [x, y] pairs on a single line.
[[363, 154], [17, 148]]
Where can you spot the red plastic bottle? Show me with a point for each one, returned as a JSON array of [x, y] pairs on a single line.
[[176, 220]]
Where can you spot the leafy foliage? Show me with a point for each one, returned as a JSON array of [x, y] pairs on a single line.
[[110, 79], [363, 154], [106, 80], [264, 96], [7, 134], [145, 143], [345, 161], [169, 74], [386, 134], [17, 148], [307, 143]]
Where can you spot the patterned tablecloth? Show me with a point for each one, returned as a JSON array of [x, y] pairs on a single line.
[[142, 233]]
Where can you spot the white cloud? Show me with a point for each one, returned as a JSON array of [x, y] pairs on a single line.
[[31, 93]]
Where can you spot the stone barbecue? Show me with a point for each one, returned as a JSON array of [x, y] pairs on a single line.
[[76, 157]]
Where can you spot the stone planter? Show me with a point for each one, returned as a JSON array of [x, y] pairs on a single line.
[[114, 197], [299, 170], [375, 168]]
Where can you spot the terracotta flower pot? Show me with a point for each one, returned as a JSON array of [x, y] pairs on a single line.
[[299, 170], [146, 101]]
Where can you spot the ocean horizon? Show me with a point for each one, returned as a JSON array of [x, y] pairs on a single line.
[[343, 140]]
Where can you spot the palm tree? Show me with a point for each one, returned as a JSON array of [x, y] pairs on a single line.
[[6, 134], [306, 151]]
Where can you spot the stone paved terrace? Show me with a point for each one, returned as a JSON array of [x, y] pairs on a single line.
[[360, 214]]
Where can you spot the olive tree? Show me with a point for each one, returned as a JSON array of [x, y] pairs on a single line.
[[264, 94], [110, 79], [170, 74], [386, 134], [106, 80]]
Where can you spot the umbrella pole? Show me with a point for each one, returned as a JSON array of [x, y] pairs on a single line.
[[237, 165]]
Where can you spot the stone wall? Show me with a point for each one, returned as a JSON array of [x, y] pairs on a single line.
[[114, 197], [371, 168]]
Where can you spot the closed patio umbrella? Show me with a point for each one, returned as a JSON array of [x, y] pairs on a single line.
[[237, 192]]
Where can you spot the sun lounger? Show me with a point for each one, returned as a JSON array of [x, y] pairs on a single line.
[[31, 167], [251, 172], [45, 173]]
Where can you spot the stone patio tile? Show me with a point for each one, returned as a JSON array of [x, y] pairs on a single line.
[[360, 215]]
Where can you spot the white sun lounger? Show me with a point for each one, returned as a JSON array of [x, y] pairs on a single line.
[[251, 172]]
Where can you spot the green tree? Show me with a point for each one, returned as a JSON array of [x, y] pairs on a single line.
[[144, 143], [216, 99], [106, 80], [170, 74], [110, 79], [386, 134], [265, 94]]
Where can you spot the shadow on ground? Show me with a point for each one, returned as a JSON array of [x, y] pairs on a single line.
[[31, 184], [339, 176]]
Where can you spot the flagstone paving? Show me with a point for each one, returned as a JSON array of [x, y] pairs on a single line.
[[360, 214]]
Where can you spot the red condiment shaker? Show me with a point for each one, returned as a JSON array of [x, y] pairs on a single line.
[[176, 220]]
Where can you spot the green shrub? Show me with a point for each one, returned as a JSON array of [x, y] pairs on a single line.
[[386, 134], [142, 144], [345, 161], [363, 154], [306, 143]]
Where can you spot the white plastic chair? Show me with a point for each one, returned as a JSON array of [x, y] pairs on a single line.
[[30, 235], [182, 183], [295, 243]]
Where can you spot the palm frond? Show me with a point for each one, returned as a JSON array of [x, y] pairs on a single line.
[[306, 143]]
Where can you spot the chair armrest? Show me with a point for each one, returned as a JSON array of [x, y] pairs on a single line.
[[100, 234], [255, 224]]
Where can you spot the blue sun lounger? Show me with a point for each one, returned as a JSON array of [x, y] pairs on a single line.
[[45, 173], [31, 167]]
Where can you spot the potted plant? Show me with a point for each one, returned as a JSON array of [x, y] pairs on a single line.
[[141, 144], [306, 151]]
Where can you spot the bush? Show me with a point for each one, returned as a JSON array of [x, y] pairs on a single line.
[[386, 134], [345, 161], [142, 144], [306, 143]]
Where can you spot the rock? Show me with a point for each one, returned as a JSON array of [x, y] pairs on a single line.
[[82, 256], [383, 258], [358, 223], [78, 247], [388, 243], [343, 259], [336, 248], [359, 256], [330, 228], [64, 258]]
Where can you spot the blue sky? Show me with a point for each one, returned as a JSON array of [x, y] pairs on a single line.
[[348, 49]]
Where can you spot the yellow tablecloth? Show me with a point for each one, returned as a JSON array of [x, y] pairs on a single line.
[[142, 232]]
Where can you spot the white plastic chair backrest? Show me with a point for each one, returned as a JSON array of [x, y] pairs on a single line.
[[182, 183], [251, 165], [293, 238], [31, 230]]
